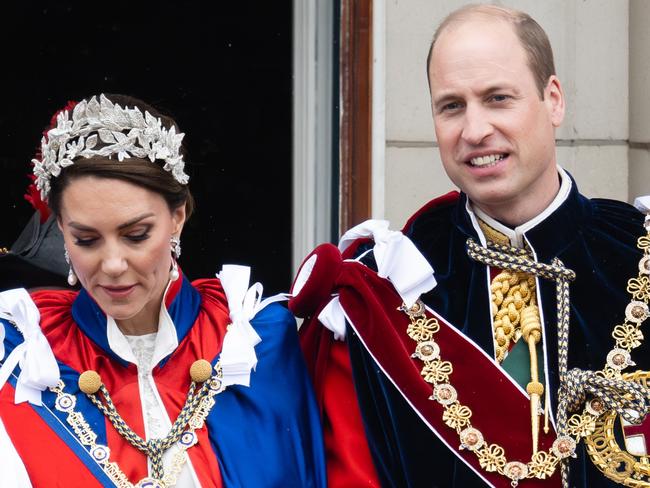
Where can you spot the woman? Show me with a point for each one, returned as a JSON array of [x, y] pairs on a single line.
[[143, 378]]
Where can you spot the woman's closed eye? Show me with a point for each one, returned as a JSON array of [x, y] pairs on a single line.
[[85, 241], [139, 234]]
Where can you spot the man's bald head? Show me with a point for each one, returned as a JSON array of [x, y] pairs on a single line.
[[531, 35]]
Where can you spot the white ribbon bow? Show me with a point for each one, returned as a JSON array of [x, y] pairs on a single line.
[[38, 366], [397, 259], [238, 356]]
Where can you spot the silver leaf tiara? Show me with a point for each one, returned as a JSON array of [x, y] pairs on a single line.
[[125, 132]]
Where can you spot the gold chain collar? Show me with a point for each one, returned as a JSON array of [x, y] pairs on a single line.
[[594, 423], [90, 383], [437, 372], [66, 403]]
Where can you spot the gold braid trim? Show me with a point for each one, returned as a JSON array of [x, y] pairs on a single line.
[[493, 235], [515, 315], [511, 293]]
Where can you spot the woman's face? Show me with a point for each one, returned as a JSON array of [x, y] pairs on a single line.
[[118, 238]]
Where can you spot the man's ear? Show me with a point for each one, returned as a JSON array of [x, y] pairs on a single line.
[[554, 99]]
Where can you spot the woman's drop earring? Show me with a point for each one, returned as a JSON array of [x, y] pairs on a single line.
[[72, 278], [175, 244]]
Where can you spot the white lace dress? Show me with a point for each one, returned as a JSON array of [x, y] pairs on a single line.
[[157, 423]]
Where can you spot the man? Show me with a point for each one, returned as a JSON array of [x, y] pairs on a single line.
[[492, 417]]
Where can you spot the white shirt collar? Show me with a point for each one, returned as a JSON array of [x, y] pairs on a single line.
[[516, 235], [166, 338]]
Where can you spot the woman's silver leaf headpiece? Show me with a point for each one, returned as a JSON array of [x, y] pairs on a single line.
[[125, 132]]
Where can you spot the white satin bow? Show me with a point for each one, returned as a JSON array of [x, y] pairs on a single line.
[[238, 356], [38, 366], [397, 259]]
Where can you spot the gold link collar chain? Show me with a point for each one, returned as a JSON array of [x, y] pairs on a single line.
[[437, 372], [66, 403], [597, 423], [614, 390]]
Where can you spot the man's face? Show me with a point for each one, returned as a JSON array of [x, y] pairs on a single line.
[[496, 135]]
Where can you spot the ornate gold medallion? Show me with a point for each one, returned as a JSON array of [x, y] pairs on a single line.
[[626, 462], [619, 448]]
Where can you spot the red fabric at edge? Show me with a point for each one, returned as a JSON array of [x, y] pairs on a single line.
[[47, 458], [349, 463]]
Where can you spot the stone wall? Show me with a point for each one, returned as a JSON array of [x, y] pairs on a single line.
[[602, 55]]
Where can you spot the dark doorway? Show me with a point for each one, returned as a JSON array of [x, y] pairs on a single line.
[[222, 69]]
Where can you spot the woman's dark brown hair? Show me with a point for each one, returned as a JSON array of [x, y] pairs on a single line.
[[141, 172]]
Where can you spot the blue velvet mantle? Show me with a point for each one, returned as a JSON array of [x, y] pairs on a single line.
[[596, 238]]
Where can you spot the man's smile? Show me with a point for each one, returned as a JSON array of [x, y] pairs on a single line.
[[486, 161]]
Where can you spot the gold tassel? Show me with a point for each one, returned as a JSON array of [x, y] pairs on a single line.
[[531, 330]]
